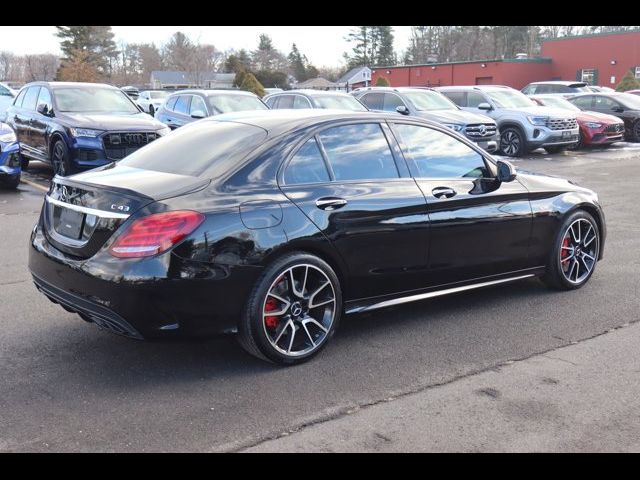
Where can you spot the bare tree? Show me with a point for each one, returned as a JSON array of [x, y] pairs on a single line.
[[41, 66]]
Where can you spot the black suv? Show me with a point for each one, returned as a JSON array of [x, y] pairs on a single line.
[[427, 103], [78, 126]]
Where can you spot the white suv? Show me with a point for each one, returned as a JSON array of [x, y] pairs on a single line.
[[523, 124]]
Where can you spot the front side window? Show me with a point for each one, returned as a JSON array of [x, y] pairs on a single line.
[[457, 97], [307, 166], [474, 99], [300, 102], [198, 107], [438, 155], [94, 99], [583, 103], [605, 104], [391, 102], [45, 98], [30, 98], [358, 152]]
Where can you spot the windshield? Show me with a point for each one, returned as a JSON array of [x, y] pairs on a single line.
[[510, 98], [629, 100], [343, 102], [427, 100], [234, 103], [158, 94], [94, 99], [559, 102]]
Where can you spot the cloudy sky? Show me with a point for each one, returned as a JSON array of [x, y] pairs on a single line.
[[321, 45]]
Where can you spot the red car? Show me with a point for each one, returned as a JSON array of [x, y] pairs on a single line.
[[595, 128]]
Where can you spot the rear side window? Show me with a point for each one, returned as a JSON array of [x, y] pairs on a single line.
[[30, 98], [285, 101], [373, 100], [307, 166], [171, 103], [301, 102], [456, 97], [358, 152], [19, 98], [438, 155], [182, 105]]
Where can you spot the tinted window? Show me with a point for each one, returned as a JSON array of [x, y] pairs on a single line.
[[438, 155], [300, 102], [214, 149], [391, 102], [456, 97], [19, 98], [605, 104], [307, 166], [44, 97], [182, 105], [30, 98], [474, 99], [171, 103], [583, 103], [197, 105], [373, 100], [234, 103], [358, 152]]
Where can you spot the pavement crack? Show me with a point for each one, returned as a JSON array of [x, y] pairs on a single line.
[[343, 411], [562, 359], [12, 283]]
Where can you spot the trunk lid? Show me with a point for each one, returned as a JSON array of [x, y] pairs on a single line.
[[82, 212]]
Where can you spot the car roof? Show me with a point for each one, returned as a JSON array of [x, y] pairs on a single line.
[[282, 120], [214, 91], [476, 87], [55, 85], [568, 83]]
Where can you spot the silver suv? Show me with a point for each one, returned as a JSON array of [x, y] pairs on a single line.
[[523, 124], [427, 103]]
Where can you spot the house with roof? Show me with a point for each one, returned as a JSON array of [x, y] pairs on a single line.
[[176, 79], [355, 78]]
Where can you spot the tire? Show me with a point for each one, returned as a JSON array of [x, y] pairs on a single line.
[[556, 149], [11, 183], [512, 142], [60, 159], [635, 131], [296, 330], [24, 162], [576, 232]]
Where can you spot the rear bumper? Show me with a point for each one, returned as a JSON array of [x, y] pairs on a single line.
[[143, 298]]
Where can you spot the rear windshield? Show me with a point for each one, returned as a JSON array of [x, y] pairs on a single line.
[[205, 147]]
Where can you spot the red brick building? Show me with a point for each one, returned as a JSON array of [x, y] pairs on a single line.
[[600, 59]]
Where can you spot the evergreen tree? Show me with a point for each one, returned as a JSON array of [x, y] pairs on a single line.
[[297, 64], [382, 82], [251, 84], [628, 82], [97, 43], [266, 56], [385, 54], [373, 46], [179, 51]]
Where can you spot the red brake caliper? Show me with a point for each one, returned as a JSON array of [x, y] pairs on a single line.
[[564, 252], [271, 305]]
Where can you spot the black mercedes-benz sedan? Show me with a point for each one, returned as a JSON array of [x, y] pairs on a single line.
[[274, 224]]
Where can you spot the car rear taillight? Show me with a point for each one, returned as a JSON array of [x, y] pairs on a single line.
[[155, 233]]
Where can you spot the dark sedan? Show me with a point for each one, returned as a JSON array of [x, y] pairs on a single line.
[[281, 221], [78, 126], [622, 105], [187, 106]]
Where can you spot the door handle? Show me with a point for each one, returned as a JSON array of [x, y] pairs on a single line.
[[330, 203], [443, 192]]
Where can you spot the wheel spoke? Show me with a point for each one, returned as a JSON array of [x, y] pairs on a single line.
[[577, 263], [299, 294], [315, 322], [282, 330], [282, 311], [325, 302], [590, 257], [293, 336], [314, 294], [304, 325]]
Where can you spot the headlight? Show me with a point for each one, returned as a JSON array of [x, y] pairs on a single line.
[[454, 126], [8, 137], [592, 125], [163, 131], [85, 132], [539, 121]]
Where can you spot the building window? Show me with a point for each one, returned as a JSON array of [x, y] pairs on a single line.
[[638, 73], [588, 75]]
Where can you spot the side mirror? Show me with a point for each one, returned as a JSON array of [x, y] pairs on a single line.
[[402, 109], [617, 108], [198, 114], [485, 106], [506, 171], [43, 109]]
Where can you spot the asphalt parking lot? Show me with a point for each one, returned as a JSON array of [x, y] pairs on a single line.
[[65, 385]]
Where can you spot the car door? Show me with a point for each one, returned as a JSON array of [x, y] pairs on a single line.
[[23, 119], [352, 183], [479, 226], [604, 104], [40, 123], [181, 111]]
